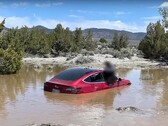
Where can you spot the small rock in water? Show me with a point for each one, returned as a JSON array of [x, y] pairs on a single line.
[[130, 108], [50, 67], [49, 124], [37, 66]]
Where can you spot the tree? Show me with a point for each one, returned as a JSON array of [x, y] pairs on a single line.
[[78, 42], [123, 42], [115, 42], [68, 39], [61, 39], [38, 43], [102, 40], [164, 13], [24, 37], [10, 61], [10, 57], [153, 43], [89, 43], [12, 39], [2, 25]]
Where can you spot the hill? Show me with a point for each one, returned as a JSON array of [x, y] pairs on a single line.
[[103, 33], [109, 33]]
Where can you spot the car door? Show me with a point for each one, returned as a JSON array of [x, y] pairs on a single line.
[[95, 81]]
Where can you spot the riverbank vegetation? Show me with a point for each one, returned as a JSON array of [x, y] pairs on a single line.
[[10, 56], [18, 42], [155, 43]]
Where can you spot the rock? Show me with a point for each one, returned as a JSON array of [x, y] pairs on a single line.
[[49, 124], [50, 67], [37, 66], [97, 51], [74, 54], [99, 46], [70, 58], [91, 53], [33, 124], [108, 56], [86, 53], [80, 55], [130, 108], [62, 54], [47, 56], [84, 60]]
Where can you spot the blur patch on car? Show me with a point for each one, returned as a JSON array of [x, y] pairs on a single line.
[[55, 90]]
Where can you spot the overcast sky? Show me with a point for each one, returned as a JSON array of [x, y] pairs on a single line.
[[131, 15]]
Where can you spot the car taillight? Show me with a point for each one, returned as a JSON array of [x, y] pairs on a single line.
[[73, 90]]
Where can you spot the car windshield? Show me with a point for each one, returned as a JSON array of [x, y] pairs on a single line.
[[73, 74]]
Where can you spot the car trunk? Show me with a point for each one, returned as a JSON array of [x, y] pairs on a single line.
[[59, 86]]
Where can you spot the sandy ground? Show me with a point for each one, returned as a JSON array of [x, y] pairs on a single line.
[[134, 62]]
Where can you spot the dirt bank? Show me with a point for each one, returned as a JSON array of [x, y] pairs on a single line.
[[97, 61]]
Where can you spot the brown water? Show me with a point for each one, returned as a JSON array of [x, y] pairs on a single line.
[[23, 101]]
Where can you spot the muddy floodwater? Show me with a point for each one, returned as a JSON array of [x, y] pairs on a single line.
[[23, 101]]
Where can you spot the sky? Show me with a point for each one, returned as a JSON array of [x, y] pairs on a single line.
[[130, 15]]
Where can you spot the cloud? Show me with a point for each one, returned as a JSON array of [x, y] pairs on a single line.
[[48, 4], [58, 3], [92, 12], [121, 13], [109, 24], [19, 4], [164, 4], [151, 19], [51, 23], [153, 7], [75, 16], [117, 13]]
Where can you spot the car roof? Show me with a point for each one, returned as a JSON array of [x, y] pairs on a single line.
[[75, 73], [86, 69]]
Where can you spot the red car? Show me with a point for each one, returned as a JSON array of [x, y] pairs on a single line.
[[80, 80]]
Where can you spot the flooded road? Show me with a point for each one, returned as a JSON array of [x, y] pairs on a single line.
[[23, 101]]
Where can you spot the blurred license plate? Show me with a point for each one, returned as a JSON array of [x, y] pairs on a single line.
[[56, 90]]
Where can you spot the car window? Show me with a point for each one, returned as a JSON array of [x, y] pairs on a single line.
[[95, 78], [73, 74]]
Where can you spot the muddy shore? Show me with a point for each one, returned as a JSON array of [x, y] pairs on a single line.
[[96, 61]]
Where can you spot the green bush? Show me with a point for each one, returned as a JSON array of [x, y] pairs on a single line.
[[125, 53], [10, 61]]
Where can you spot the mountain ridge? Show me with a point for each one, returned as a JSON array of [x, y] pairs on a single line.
[[101, 33]]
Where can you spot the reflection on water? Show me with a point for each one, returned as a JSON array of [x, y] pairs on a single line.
[[22, 99]]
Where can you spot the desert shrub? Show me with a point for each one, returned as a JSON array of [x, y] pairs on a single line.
[[125, 53], [116, 53], [10, 61], [103, 40], [85, 52], [84, 60]]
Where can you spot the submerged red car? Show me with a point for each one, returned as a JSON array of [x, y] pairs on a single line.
[[81, 80]]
